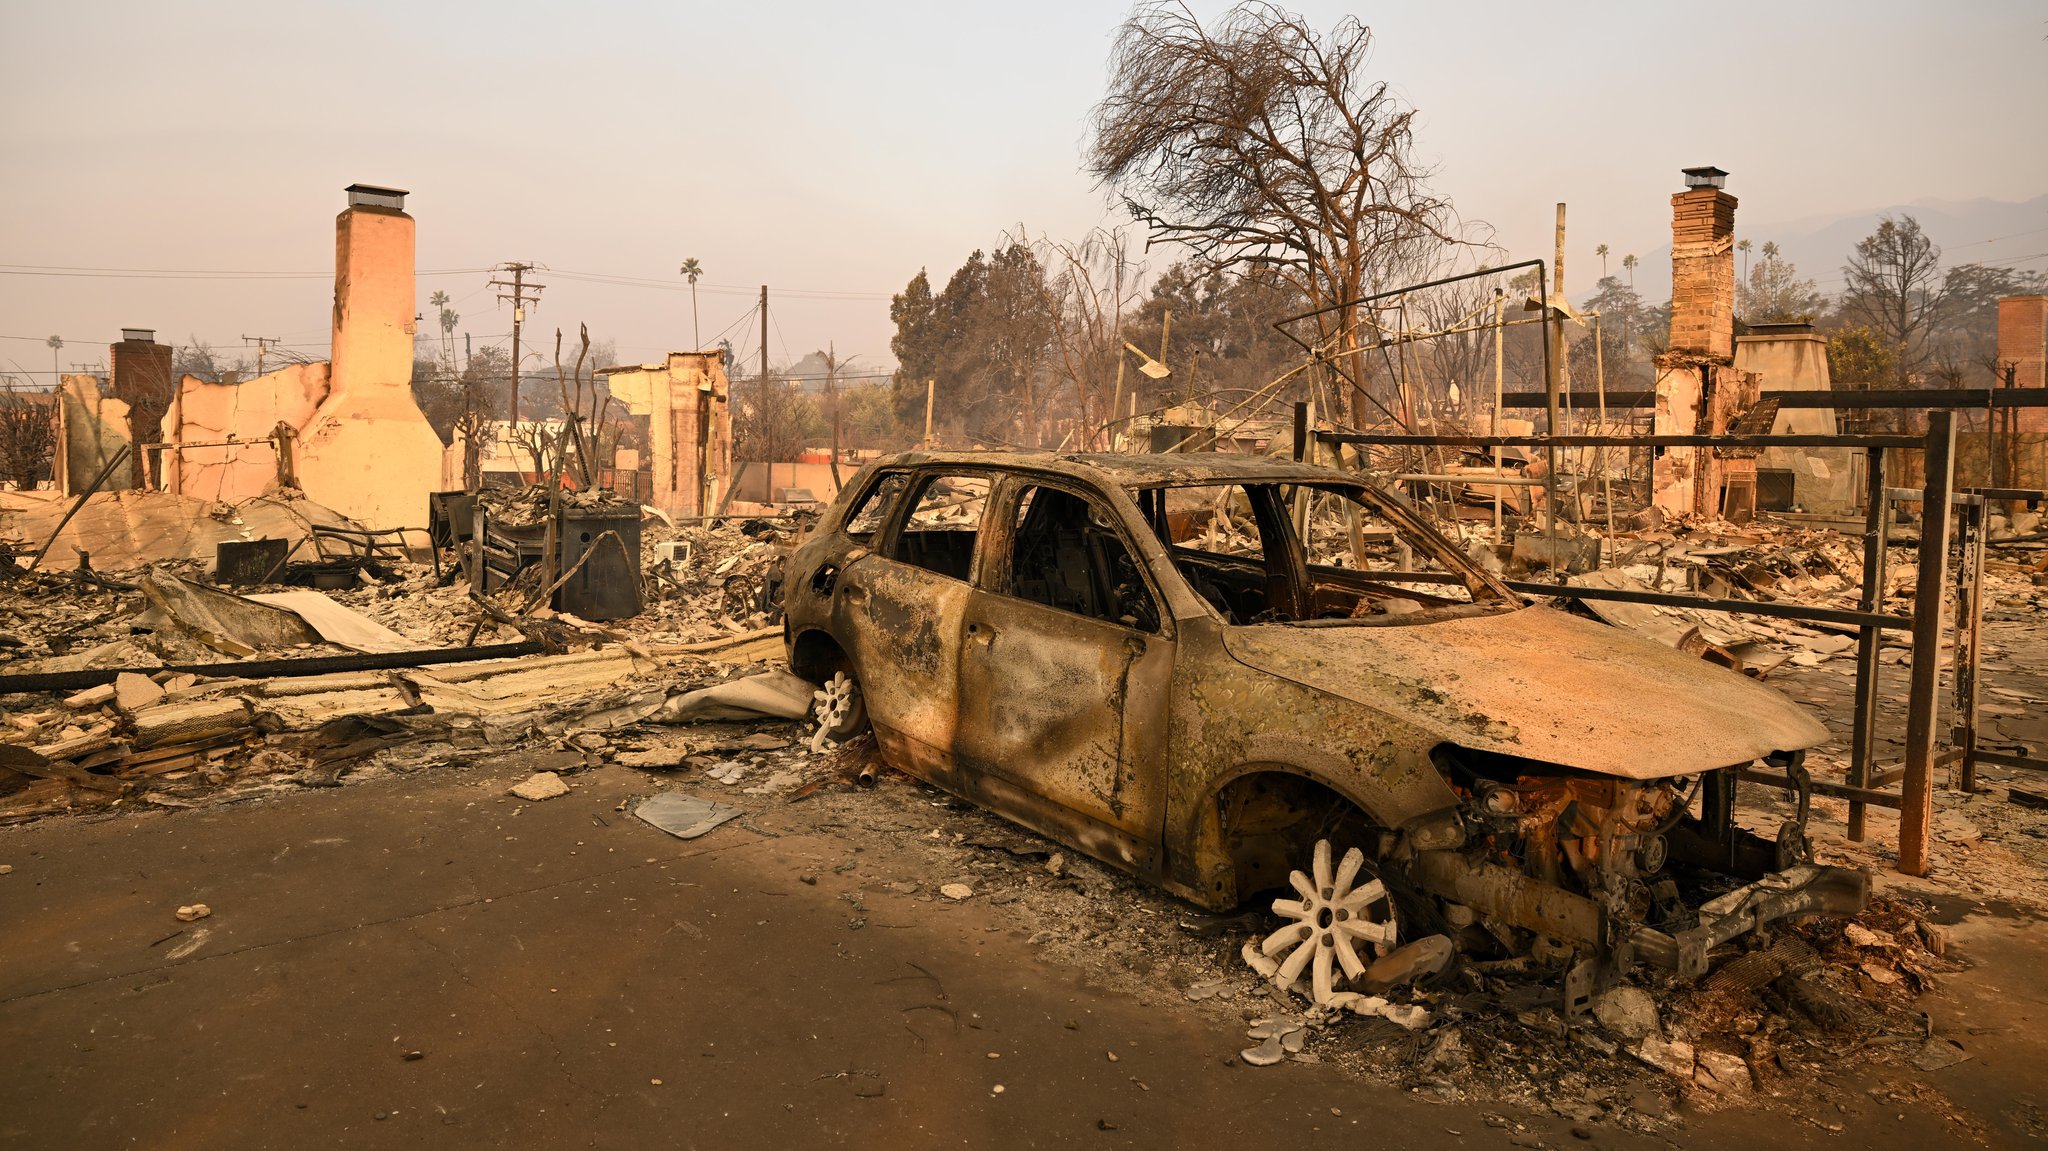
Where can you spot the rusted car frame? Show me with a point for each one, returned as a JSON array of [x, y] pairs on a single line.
[[1201, 718]]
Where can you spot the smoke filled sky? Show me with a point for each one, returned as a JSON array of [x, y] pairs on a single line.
[[830, 150]]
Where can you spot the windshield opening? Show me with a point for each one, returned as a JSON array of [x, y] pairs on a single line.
[[1313, 553]]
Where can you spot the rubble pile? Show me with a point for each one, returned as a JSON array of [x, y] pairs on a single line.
[[153, 687]]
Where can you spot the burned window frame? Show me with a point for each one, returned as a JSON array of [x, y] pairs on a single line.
[[890, 537], [870, 491], [999, 542]]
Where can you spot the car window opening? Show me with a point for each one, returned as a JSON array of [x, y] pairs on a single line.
[[943, 524], [1066, 554], [873, 511]]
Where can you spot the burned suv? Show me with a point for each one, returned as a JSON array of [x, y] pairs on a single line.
[[1197, 667]]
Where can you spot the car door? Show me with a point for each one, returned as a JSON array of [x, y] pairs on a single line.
[[900, 606], [1065, 663]]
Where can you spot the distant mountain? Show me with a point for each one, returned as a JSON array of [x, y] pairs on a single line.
[[1969, 232]]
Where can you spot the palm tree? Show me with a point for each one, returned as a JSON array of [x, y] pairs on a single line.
[[1743, 247], [1601, 251], [448, 319], [1628, 321], [692, 269]]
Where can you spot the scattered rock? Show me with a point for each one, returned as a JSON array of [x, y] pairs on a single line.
[[1265, 1054], [1722, 1073], [541, 785], [6, 868], [133, 692], [1938, 1053], [1674, 1056], [1627, 1011], [192, 911], [956, 891]]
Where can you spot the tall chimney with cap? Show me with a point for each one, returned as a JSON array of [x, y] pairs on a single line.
[[373, 290], [367, 452], [1703, 266]]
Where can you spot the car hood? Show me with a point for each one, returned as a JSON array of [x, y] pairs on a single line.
[[1542, 684]]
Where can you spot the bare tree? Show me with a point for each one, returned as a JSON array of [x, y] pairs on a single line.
[[1260, 140], [28, 438], [1896, 287], [1089, 288]]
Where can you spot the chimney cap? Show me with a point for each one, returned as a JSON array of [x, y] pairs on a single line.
[[138, 335], [1706, 176], [375, 196]]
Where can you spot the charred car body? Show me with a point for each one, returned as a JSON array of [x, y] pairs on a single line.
[[1141, 657]]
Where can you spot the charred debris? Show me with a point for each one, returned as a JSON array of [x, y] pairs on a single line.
[[159, 683]]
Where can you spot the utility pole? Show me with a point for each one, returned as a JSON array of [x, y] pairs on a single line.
[[832, 401], [263, 344], [519, 299], [765, 385]]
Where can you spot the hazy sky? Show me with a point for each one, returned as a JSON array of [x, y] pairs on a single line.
[[830, 150]]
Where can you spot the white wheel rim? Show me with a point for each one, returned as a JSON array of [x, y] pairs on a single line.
[[1333, 916]]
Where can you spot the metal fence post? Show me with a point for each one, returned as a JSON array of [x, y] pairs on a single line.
[[1916, 808], [1876, 557]]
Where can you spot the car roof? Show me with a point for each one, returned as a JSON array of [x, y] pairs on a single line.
[[1134, 471]]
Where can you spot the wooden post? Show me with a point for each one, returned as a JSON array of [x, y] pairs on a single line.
[[930, 390], [1916, 809], [1876, 560]]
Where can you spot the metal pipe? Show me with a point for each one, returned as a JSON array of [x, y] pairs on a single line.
[[120, 457], [1731, 606], [1669, 441], [1876, 559]]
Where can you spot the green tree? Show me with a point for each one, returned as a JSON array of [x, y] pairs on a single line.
[[916, 345], [1774, 293], [1861, 357]]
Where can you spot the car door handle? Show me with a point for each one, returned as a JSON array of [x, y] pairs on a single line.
[[981, 633]]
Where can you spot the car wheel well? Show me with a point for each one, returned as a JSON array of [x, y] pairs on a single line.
[[816, 655], [1269, 819]]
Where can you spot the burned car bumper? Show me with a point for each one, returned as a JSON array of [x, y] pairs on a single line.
[[1519, 900], [1808, 889]]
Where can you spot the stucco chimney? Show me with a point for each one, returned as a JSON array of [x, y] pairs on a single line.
[[1703, 266], [373, 291], [367, 452]]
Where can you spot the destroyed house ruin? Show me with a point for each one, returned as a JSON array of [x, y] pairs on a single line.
[[347, 433]]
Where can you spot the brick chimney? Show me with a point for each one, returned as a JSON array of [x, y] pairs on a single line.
[[2023, 343], [1703, 266]]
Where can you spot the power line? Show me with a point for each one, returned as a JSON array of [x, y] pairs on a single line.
[[191, 273]]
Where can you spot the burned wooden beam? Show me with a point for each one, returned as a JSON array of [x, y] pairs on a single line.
[[271, 668]]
